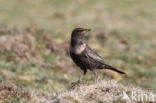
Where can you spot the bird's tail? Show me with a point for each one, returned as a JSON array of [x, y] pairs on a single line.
[[114, 69]]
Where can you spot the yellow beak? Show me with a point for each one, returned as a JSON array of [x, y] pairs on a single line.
[[85, 30]]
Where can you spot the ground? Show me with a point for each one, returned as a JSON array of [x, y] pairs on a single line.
[[35, 37]]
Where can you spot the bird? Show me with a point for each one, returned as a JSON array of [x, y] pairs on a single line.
[[85, 57]]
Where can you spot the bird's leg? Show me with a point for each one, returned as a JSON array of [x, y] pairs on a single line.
[[80, 78], [95, 75], [84, 72], [73, 85]]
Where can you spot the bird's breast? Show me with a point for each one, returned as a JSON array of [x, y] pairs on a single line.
[[78, 49]]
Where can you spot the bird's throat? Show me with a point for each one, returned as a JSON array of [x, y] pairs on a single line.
[[78, 48]]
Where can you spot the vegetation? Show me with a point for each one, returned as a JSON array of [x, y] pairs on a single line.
[[35, 36]]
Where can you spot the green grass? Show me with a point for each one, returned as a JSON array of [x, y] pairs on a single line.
[[48, 71]]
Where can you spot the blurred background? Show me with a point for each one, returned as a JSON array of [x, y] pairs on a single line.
[[35, 37]]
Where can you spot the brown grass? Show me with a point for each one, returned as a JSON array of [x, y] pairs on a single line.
[[103, 92]]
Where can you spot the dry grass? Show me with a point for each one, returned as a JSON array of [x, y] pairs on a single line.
[[102, 92]]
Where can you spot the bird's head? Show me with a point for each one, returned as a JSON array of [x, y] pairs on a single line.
[[78, 34]]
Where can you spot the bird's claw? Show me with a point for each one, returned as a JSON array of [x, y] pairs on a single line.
[[79, 81], [75, 84]]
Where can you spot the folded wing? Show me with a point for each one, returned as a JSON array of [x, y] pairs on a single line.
[[93, 55]]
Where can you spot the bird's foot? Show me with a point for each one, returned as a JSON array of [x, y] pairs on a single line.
[[75, 84], [78, 81]]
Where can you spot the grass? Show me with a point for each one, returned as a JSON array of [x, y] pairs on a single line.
[[104, 91], [123, 33]]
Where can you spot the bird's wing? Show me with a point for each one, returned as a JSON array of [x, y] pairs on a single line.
[[90, 53]]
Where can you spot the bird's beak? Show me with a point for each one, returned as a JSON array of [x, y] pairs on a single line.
[[86, 30]]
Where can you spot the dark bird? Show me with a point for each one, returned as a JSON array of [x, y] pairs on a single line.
[[84, 56]]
